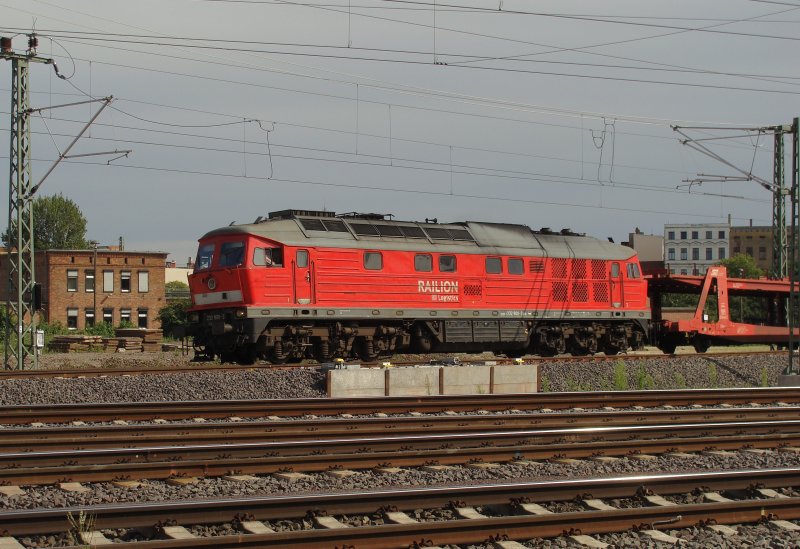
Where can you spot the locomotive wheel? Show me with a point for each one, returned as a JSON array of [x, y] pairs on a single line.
[[668, 346], [277, 355]]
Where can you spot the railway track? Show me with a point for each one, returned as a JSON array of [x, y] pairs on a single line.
[[79, 372], [516, 511], [149, 411], [364, 452]]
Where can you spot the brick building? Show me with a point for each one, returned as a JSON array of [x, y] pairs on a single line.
[[124, 286]]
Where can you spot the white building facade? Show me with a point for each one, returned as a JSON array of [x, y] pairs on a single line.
[[691, 249]]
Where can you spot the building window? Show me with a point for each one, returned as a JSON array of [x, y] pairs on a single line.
[[72, 281], [684, 271], [515, 266], [494, 265], [89, 281], [671, 235], [124, 315], [142, 313], [736, 249], [108, 281], [423, 263], [749, 251], [695, 254], [89, 319], [373, 261], [709, 254], [721, 253], [695, 235], [447, 263], [708, 235], [722, 234], [125, 281], [144, 281], [684, 254], [108, 316], [671, 254], [72, 319], [762, 252], [683, 235]]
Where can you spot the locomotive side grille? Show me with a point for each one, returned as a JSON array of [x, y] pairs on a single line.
[[473, 290], [601, 292], [461, 234], [364, 229], [389, 230], [412, 232], [560, 268], [579, 269], [560, 292], [536, 265], [335, 226], [437, 233], [598, 269], [312, 224], [580, 292]]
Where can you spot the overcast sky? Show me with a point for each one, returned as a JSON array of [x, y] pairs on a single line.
[[551, 114]]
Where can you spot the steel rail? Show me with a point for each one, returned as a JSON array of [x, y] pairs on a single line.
[[138, 411], [476, 531], [38, 439], [399, 451], [218, 510], [78, 372]]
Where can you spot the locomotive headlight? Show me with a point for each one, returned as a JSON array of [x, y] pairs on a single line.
[[241, 313], [212, 284]]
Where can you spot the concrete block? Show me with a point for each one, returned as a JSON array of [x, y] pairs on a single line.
[[589, 541], [598, 505], [508, 544], [330, 522], [722, 529], [12, 491], [388, 470], [256, 527], [181, 481], [290, 477], [466, 380], [515, 379], [178, 532], [239, 478], [95, 538], [663, 537], [660, 501], [468, 513], [340, 473], [786, 525], [534, 509], [126, 483], [412, 382], [356, 383], [398, 517], [10, 543], [73, 487], [716, 497]]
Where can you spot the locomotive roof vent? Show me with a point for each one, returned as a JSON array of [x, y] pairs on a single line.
[[568, 232], [545, 230], [289, 214], [369, 216]]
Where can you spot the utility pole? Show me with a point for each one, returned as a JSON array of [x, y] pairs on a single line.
[[20, 338], [24, 297]]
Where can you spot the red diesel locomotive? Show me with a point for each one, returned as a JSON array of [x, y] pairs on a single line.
[[305, 284]]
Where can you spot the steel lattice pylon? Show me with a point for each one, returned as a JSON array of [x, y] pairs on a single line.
[[780, 266], [21, 325]]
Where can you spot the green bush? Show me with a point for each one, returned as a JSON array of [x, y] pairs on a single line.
[[680, 381], [620, 376], [713, 376], [174, 314], [103, 329], [546, 385], [764, 377]]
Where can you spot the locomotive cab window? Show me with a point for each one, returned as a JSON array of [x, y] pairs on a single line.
[[447, 263], [268, 257], [515, 266], [615, 270], [494, 265], [204, 257], [423, 263], [373, 261], [231, 254], [633, 270], [302, 258]]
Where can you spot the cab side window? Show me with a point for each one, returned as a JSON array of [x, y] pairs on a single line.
[[423, 263], [515, 266], [447, 263], [302, 258], [494, 265], [373, 261]]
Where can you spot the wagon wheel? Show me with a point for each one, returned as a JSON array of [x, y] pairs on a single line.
[[668, 346], [701, 344]]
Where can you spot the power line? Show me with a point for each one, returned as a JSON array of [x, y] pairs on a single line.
[[448, 194]]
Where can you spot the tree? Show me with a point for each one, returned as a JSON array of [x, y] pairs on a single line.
[[58, 224], [173, 315], [742, 266]]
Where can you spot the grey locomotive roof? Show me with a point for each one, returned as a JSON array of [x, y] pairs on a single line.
[[480, 238]]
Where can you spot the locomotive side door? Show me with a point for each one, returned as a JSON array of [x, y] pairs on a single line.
[[301, 267], [616, 285]]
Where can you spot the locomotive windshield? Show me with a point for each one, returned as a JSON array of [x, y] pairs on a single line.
[[231, 254], [205, 254]]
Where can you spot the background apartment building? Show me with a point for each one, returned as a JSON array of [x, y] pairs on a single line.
[[122, 286], [692, 249]]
